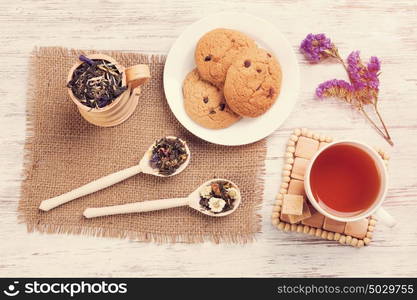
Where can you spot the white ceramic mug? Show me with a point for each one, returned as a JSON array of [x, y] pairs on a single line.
[[375, 208]]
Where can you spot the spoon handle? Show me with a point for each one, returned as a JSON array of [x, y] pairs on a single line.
[[89, 188], [135, 207]]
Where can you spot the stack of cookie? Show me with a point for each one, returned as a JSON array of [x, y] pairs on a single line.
[[233, 79]]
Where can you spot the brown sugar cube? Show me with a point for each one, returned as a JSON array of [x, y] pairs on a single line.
[[296, 187], [292, 204], [333, 225], [357, 229], [316, 220], [294, 221], [299, 168], [284, 218], [306, 214], [322, 144], [306, 147]]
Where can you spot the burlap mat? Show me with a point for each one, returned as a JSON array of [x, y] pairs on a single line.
[[63, 152]]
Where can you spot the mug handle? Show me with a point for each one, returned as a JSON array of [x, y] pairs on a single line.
[[385, 217], [137, 75]]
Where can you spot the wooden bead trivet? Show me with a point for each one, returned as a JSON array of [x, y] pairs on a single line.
[[299, 151]]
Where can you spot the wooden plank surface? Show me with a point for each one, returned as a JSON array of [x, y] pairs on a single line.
[[386, 29]]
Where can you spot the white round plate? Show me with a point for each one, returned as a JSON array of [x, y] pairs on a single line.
[[180, 62]]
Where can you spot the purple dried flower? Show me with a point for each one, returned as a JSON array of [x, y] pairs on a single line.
[[364, 82], [335, 88], [374, 64], [154, 157], [85, 59], [364, 78], [317, 47], [103, 101]]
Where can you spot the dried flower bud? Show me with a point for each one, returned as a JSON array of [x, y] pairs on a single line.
[[316, 47]]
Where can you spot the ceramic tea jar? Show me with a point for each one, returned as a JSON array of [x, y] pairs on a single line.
[[121, 108]]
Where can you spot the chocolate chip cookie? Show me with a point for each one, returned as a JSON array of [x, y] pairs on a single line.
[[216, 50], [253, 82], [205, 103]]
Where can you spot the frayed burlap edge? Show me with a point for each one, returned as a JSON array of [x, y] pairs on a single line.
[[28, 162], [54, 51], [28, 159]]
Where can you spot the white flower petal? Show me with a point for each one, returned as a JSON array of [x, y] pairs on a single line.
[[216, 204]]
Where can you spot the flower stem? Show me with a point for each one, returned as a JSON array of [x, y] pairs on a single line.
[[380, 119], [339, 58], [386, 136], [343, 63], [335, 54]]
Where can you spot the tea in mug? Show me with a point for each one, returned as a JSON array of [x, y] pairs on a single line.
[[345, 180]]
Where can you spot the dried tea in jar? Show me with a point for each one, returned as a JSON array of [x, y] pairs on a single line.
[[96, 83]]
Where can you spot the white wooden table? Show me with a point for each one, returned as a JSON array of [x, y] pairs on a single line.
[[386, 29]]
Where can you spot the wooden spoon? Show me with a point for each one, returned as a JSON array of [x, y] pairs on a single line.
[[193, 201], [144, 166]]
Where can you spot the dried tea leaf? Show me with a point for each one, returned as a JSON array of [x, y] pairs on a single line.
[[168, 155]]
